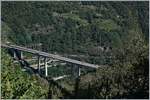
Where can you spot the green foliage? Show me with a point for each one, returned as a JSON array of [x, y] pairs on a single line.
[[81, 28], [127, 77], [6, 31], [107, 25], [64, 29], [18, 84]]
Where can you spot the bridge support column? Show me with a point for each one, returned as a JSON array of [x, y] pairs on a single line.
[[79, 71], [39, 70], [21, 54], [45, 64], [14, 54], [77, 80]]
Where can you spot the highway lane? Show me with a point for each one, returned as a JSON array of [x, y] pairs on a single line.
[[58, 57]]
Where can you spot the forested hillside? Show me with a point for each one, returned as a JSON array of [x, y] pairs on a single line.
[[18, 84], [105, 33]]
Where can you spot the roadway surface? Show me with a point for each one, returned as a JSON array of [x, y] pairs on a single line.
[[58, 57]]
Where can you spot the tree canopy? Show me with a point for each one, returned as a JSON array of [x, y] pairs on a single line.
[[100, 32]]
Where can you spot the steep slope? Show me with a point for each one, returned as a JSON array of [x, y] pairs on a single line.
[[18, 84], [112, 33]]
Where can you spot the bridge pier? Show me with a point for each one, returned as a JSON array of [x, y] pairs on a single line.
[[76, 70], [21, 54], [39, 70], [79, 71], [77, 80], [12, 52], [45, 64], [14, 55]]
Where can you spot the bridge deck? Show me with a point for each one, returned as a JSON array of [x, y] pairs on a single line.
[[51, 56]]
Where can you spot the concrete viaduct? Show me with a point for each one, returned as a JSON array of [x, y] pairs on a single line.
[[40, 54]]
